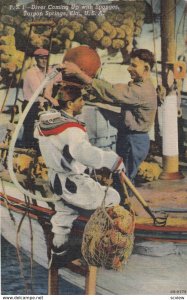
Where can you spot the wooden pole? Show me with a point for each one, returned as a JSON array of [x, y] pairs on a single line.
[[90, 284], [53, 281], [168, 58], [168, 43]]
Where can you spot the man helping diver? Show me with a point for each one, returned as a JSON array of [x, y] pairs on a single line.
[[138, 100]]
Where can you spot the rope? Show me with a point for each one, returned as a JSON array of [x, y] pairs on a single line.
[[177, 31], [172, 9], [11, 203], [27, 201], [23, 64], [31, 238], [106, 190], [7, 203], [7, 138], [6, 95], [19, 253], [154, 43], [185, 14], [24, 60], [50, 47], [103, 202]]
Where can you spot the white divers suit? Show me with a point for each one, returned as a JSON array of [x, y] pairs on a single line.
[[68, 153]]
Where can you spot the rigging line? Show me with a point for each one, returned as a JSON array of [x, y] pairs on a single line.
[[50, 43], [103, 202], [172, 9], [27, 200], [7, 203], [23, 64], [19, 253], [7, 138], [183, 29], [6, 95], [48, 58], [50, 47], [177, 31], [154, 43], [15, 205]]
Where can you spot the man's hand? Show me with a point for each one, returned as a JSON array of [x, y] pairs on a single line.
[[54, 102], [70, 68]]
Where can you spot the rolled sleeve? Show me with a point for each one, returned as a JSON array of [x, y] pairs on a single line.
[[119, 93]]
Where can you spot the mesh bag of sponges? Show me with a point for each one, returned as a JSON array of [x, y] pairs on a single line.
[[108, 237]]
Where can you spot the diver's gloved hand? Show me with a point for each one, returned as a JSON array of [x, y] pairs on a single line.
[[119, 166]]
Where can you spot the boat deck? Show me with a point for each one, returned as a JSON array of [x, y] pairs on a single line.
[[164, 195]]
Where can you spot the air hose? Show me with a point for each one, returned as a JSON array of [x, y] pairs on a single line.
[[15, 134]]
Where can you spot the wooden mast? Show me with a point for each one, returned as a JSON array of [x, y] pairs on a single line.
[[168, 58], [168, 43]]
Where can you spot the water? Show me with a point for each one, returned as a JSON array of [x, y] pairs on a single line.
[[13, 284]]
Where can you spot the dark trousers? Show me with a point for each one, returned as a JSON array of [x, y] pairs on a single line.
[[133, 148]]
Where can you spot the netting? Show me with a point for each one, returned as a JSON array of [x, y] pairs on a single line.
[[108, 237]]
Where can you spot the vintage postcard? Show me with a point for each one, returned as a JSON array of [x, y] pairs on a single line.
[[93, 132]]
